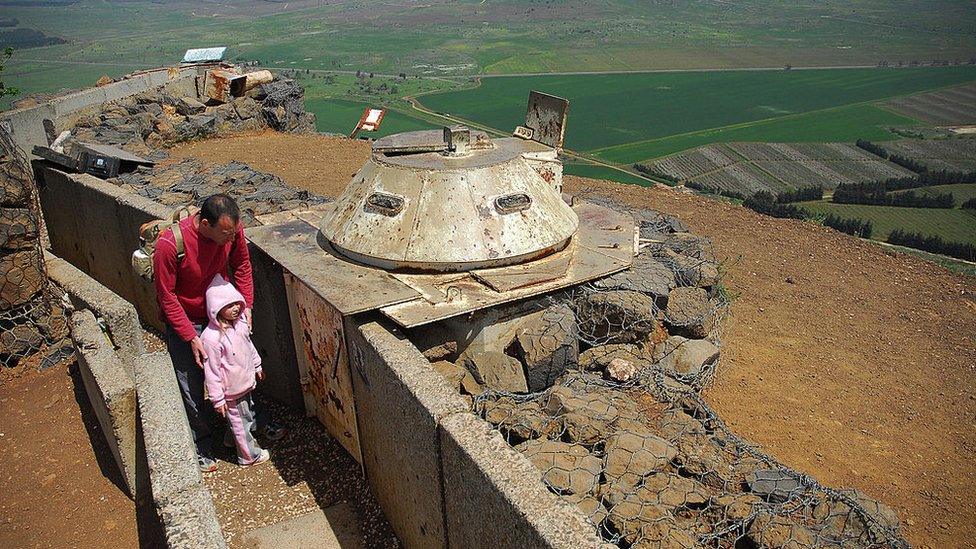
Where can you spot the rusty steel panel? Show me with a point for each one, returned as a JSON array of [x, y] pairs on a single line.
[[351, 288], [223, 85], [436, 212], [546, 116], [603, 245], [321, 341]]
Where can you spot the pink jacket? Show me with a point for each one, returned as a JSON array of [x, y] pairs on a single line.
[[232, 360]]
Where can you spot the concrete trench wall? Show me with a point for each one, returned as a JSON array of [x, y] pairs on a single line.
[[444, 477], [136, 401]]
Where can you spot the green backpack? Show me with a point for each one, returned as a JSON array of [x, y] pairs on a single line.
[[142, 258]]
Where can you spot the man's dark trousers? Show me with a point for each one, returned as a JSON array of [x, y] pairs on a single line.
[[189, 376]]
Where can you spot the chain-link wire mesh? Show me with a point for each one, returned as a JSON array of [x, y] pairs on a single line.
[[30, 313], [614, 420]]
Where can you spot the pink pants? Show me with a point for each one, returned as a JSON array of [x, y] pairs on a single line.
[[240, 422]]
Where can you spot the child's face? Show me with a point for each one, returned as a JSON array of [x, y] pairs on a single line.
[[231, 312]]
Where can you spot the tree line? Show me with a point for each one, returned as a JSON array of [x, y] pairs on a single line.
[[853, 226], [800, 195], [877, 194], [934, 244]]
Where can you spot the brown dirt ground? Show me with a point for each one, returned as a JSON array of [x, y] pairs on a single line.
[[848, 362], [57, 487]]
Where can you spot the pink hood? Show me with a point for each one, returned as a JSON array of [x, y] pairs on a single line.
[[232, 360]]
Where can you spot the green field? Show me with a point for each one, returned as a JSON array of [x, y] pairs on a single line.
[[619, 116], [340, 116], [961, 192], [594, 171], [954, 225]]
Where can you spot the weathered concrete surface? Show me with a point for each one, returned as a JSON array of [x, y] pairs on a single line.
[[189, 520], [110, 390], [94, 225], [399, 401], [272, 331], [494, 498], [170, 454], [336, 527], [86, 293], [184, 506]]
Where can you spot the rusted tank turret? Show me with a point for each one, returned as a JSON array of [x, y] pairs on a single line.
[[451, 200]]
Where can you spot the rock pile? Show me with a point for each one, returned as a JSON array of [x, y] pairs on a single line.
[[189, 181], [153, 120], [599, 389]]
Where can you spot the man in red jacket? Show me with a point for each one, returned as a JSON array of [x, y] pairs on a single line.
[[214, 244]]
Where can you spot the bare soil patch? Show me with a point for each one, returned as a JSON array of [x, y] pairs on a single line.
[[848, 362], [58, 487], [323, 165]]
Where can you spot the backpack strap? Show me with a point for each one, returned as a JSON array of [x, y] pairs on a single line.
[[178, 239]]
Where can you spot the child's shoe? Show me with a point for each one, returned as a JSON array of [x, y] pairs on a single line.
[[262, 457]]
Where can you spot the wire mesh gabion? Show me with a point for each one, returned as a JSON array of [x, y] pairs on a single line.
[[620, 428], [30, 314]]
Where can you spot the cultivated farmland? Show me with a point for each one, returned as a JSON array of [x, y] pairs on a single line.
[[951, 107], [745, 168], [954, 155]]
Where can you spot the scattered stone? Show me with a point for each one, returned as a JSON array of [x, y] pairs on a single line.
[[690, 313], [56, 355], [444, 351], [586, 417], [616, 316], [592, 509], [777, 532], [189, 106], [636, 454], [621, 370], [735, 507], [495, 370], [451, 373], [567, 468], [842, 522], [774, 485], [104, 80], [597, 359], [646, 275], [548, 344]]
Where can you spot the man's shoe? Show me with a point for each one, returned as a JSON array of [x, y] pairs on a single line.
[[207, 465]]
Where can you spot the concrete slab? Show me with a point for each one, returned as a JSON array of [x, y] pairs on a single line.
[[272, 331], [110, 390], [488, 484], [336, 527], [190, 521], [86, 293], [170, 455], [399, 401]]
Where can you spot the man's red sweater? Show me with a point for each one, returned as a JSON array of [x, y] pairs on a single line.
[[181, 286]]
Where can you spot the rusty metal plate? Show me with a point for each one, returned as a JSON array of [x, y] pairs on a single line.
[[320, 337], [603, 246], [506, 279], [312, 215], [546, 115], [350, 287]]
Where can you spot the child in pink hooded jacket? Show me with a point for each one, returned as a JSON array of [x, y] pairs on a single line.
[[233, 367]]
